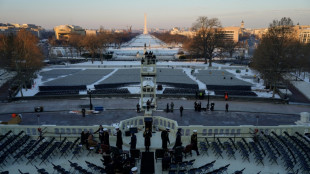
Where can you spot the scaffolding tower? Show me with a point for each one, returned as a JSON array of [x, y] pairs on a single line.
[[148, 82]]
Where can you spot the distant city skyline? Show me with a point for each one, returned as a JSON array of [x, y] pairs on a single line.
[[161, 14]]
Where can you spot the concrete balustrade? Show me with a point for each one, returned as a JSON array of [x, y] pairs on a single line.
[[159, 123]]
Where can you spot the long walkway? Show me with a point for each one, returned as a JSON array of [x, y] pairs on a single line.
[[57, 112]]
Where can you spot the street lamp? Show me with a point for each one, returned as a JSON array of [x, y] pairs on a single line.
[[208, 100], [257, 117], [90, 104]]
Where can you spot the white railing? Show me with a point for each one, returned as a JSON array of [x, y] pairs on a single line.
[[159, 123]]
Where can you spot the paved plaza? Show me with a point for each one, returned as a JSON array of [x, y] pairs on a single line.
[[57, 112]]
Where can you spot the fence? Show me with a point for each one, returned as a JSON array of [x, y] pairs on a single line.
[[159, 123]]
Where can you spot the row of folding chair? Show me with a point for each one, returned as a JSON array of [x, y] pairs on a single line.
[[12, 148], [219, 170], [25, 150], [243, 151], [303, 137], [270, 153], [95, 168], [65, 149], [288, 163], [77, 168], [233, 143], [41, 171], [203, 148], [5, 135], [229, 150], [39, 151], [300, 150], [216, 149], [48, 154], [59, 169], [257, 153], [76, 152], [9, 140], [239, 171]]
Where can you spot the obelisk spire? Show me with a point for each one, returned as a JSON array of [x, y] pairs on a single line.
[[145, 28]]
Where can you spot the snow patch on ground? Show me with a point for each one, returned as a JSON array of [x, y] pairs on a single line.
[[201, 85], [92, 86], [34, 88]]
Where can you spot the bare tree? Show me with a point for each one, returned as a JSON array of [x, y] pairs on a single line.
[[91, 44], [229, 46], [102, 41], [276, 52], [76, 41], [27, 58], [6, 50], [208, 37]]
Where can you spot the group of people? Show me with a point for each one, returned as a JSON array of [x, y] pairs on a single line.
[[197, 106], [87, 138], [171, 107]]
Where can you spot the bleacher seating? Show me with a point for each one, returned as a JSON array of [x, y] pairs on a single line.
[[229, 88], [62, 88], [111, 91], [180, 91], [50, 93], [235, 93]]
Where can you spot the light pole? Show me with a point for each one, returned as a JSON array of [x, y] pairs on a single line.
[[90, 104], [257, 117], [208, 100], [38, 116]]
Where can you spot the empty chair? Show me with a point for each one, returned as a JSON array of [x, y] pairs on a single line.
[[22, 172], [239, 171]]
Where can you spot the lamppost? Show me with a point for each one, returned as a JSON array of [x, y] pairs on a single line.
[[90, 104], [208, 101], [257, 117]]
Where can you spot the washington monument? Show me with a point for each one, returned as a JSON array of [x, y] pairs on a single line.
[[145, 28]]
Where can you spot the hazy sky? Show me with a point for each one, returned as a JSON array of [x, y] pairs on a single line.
[[160, 13]]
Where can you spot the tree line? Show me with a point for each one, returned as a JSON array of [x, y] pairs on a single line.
[[171, 38], [93, 44], [280, 52], [21, 53], [208, 38]]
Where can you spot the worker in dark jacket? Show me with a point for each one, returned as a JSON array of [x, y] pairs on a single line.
[[119, 139], [165, 138], [100, 130], [194, 142], [178, 141], [147, 139], [133, 141], [106, 137]]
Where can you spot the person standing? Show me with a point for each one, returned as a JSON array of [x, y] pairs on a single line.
[[171, 106], [165, 138], [133, 141], [119, 139], [148, 105], [181, 111], [83, 138], [178, 141], [195, 106], [194, 142], [226, 107], [147, 139], [106, 137], [100, 130], [138, 108]]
